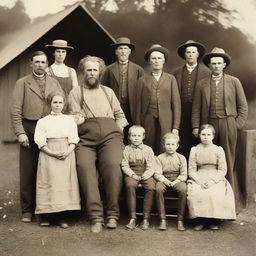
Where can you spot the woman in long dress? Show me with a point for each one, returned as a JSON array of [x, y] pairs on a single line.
[[57, 187], [210, 196]]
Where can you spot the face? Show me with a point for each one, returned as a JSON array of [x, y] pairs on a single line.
[[136, 137], [57, 104], [123, 52], [217, 65], [91, 74], [171, 146], [60, 55], [156, 60], [206, 136], [39, 64], [191, 55]]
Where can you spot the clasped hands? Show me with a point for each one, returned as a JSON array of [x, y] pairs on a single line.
[[139, 178]]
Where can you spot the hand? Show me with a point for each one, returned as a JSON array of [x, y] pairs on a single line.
[[175, 131], [208, 184], [60, 155], [167, 183], [136, 177], [23, 140], [79, 119], [195, 132]]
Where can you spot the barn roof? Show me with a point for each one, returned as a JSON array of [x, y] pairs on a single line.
[[25, 37]]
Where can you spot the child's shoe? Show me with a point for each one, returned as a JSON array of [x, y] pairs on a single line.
[[145, 224], [163, 225], [180, 225], [132, 224]]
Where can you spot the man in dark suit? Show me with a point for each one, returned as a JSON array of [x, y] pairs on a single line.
[[219, 100], [187, 77], [158, 100], [29, 105], [122, 77]]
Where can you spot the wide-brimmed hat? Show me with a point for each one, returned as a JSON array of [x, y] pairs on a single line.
[[59, 44], [216, 52], [123, 41], [200, 47], [157, 48]]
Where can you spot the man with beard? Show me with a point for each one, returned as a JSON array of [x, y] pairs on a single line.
[[122, 76], [187, 77], [29, 105], [100, 143]]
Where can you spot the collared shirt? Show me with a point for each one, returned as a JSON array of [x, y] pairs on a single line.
[[97, 104], [190, 68], [123, 62], [217, 78], [156, 75], [141, 154], [174, 165]]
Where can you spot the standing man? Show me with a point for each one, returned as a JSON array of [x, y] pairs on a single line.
[[100, 143], [188, 77], [158, 102], [122, 77], [29, 105], [219, 100]]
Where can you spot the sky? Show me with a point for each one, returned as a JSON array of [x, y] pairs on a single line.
[[244, 17]]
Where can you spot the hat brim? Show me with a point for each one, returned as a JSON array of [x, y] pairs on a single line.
[[181, 50], [207, 57], [163, 50], [131, 46], [53, 47]]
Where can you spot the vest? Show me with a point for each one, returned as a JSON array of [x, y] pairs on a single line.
[[188, 84], [154, 96], [123, 86]]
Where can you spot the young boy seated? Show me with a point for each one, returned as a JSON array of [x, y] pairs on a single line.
[[171, 174], [138, 167]]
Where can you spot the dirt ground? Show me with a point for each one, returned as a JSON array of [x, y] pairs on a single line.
[[237, 238]]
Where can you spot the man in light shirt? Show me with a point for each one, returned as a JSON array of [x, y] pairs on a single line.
[[100, 131], [188, 76], [219, 100]]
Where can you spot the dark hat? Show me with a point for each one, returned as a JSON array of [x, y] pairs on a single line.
[[181, 50], [216, 52], [59, 44], [123, 41], [157, 48]]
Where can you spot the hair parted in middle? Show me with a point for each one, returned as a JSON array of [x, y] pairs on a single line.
[[170, 135], [207, 126], [136, 127], [55, 93], [87, 58]]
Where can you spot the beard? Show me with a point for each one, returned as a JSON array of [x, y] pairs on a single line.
[[91, 82]]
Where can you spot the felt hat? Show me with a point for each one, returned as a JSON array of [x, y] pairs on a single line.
[[59, 44], [216, 52], [123, 41], [157, 48], [182, 48]]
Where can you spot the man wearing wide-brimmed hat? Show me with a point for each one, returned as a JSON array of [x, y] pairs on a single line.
[[158, 99], [122, 76], [187, 77], [219, 99]]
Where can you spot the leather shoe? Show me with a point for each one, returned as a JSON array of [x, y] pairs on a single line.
[[145, 224], [180, 225], [214, 227], [111, 223], [199, 227], [132, 224], [63, 224], [26, 217], [96, 227], [163, 225]]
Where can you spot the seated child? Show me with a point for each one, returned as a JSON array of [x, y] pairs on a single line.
[[171, 174], [138, 167]]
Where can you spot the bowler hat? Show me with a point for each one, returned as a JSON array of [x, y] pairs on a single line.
[[216, 52], [157, 48], [181, 49], [123, 41], [59, 44]]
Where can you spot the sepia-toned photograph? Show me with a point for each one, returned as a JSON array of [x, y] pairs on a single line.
[[128, 127]]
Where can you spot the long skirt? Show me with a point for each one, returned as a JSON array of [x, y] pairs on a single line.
[[57, 186], [215, 202]]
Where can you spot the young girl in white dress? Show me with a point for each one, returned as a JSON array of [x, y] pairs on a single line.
[[57, 187], [210, 196]]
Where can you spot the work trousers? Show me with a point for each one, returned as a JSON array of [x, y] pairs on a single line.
[[131, 186], [28, 169], [181, 188], [226, 137], [99, 153]]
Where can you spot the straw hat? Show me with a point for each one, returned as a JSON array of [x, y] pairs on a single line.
[[59, 44]]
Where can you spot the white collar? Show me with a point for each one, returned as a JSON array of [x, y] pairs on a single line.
[[191, 67]]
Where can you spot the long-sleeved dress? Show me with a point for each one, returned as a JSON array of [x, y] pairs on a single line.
[[208, 163], [57, 184]]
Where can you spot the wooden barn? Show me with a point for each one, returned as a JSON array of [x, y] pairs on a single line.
[[74, 24]]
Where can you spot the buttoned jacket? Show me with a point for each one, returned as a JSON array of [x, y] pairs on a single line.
[[111, 78], [168, 98], [28, 101], [234, 101]]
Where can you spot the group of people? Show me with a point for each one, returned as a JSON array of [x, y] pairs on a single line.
[[72, 137]]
